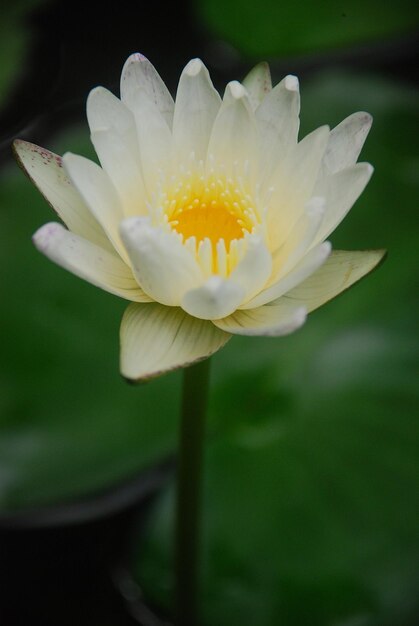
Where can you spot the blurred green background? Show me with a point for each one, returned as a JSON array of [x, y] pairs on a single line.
[[312, 471]]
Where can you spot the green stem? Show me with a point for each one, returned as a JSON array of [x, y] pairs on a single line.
[[188, 503]]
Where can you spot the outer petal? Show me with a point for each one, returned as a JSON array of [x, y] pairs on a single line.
[[307, 266], [104, 110], [341, 270], [139, 73], [45, 170], [340, 191], [123, 168], [217, 298], [346, 141], [92, 263], [99, 195], [156, 339], [197, 105], [271, 321], [163, 266], [114, 136], [258, 84]]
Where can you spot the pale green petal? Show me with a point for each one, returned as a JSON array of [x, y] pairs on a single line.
[[307, 266], [341, 270], [139, 74], [217, 298], [46, 171], [163, 266], [270, 321], [258, 84], [88, 261], [156, 339], [197, 105]]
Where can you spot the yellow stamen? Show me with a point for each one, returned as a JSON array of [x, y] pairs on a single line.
[[212, 208], [212, 221]]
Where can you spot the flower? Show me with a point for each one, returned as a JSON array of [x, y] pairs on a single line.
[[207, 214]]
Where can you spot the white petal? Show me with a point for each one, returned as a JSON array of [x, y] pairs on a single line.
[[299, 240], [340, 191], [346, 141], [163, 266], [271, 321], [307, 266], [278, 122], [155, 140], [45, 170], [139, 73], [89, 261], [104, 110], [258, 84], [123, 169], [233, 137], [341, 270], [307, 160], [217, 298], [156, 339], [293, 183], [99, 195], [254, 269], [197, 105]]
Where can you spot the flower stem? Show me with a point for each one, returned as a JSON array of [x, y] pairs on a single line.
[[188, 503]]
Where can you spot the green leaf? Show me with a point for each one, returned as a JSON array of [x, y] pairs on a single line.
[[312, 465], [270, 28]]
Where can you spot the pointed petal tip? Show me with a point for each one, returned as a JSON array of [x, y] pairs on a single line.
[[44, 234], [236, 90], [93, 92], [292, 83], [365, 118], [194, 67], [136, 57]]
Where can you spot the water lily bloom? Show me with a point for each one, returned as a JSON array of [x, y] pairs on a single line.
[[207, 213]]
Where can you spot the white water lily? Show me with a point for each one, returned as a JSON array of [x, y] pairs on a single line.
[[207, 214]]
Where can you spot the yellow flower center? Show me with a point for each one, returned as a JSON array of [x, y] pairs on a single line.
[[213, 221], [213, 209]]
